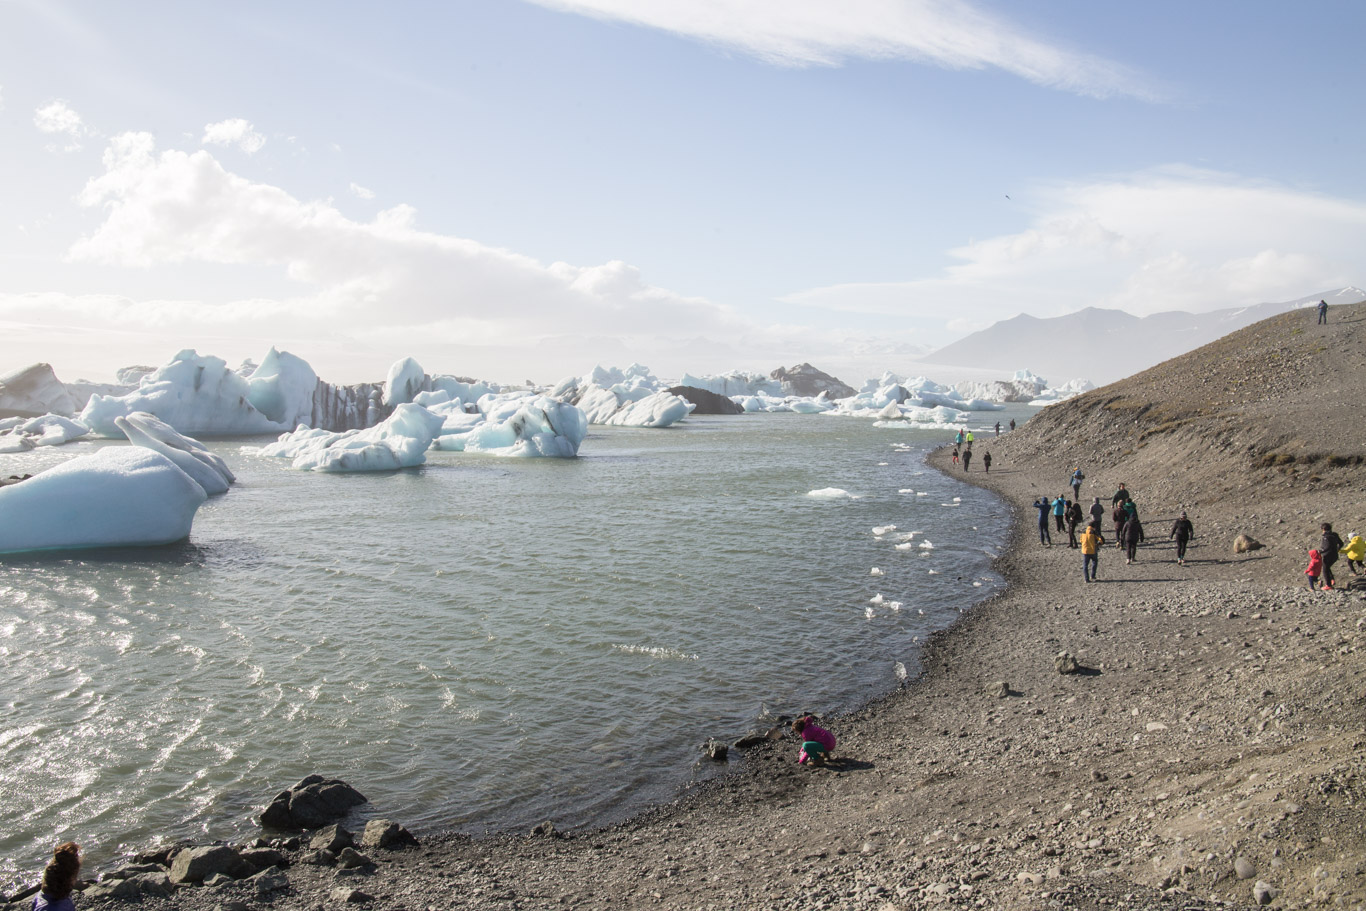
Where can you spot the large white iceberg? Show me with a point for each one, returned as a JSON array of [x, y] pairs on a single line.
[[633, 397], [194, 394], [282, 389], [400, 441], [539, 426], [662, 409], [130, 496]]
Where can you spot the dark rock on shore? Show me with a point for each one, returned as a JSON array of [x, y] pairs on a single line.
[[315, 801], [706, 402]]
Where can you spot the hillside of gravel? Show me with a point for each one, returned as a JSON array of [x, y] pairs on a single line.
[[1172, 736]]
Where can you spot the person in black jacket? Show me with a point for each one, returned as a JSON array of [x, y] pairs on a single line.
[[1131, 535], [1182, 531], [1329, 545]]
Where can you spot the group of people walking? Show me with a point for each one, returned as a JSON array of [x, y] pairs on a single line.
[[1067, 514], [962, 449], [1322, 558]]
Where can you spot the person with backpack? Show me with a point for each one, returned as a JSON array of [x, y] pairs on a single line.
[[1329, 546]]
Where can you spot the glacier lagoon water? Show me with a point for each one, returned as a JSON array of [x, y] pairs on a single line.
[[477, 644]]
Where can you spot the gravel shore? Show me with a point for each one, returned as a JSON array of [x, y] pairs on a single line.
[[1210, 750]]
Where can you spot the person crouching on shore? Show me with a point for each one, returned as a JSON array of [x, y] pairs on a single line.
[[817, 742], [1315, 568], [59, 879], [1355, 552]]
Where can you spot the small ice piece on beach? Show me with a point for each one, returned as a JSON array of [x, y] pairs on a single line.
[[926, 545], [832, 493], [876, 572], [876, 599], [880, 530], [906, 546], [900, 670]]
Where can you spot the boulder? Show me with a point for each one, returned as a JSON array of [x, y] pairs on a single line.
[[546, 828], [716, 750], [194, 865], [382, 833], [351, 859], [264, 858], [272, 879], [1000, 689], [1065, 663], [348, 896], [1245, 543], [132, 887], [313, 802], [332, 838], [319, 858]]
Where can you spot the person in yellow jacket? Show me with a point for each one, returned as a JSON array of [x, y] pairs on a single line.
[[1091, 543], [1355, 552]]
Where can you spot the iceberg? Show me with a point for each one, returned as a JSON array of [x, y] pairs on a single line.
[[400, 441], [406, 379], [540, 426], [116, 496], [33, 391], [19, 435], [282, 389], [193, 394], [208, 470], [624, 398]]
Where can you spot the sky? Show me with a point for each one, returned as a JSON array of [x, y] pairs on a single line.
[[520, 191]]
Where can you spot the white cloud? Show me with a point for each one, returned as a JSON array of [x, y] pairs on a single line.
[[1170, 239], [361, 192], [385, 278], [234, 132], [58, 119], [947, 33]]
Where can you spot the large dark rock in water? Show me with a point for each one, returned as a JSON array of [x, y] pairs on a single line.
[[312, 803], [804, 379], [706, 402]]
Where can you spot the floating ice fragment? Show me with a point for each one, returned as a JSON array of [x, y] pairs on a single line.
[[868, 612], [894, 605], [656, 652], [926, 545], [876, 572], [958, 499], [832, 493], [977, 585], [876, 599], [883, 529], [921, 493], [907, 546], [934, 572], [905, 490]]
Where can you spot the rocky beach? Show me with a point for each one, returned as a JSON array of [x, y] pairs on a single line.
[[1205, 748]]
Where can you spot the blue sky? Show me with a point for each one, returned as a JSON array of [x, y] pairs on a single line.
[[518, 190]]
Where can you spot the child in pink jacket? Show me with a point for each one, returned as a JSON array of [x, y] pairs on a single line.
[[1315, 569], [817, 742]]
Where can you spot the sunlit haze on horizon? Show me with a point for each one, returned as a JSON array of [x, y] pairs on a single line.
[[521, 190]]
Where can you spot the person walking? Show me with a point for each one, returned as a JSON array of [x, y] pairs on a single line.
[[1077, 478], [1329, 546], [986, 462], [1044, 507], [1121, 496], [967, 458], [998, 428], [1097, 511], [1355, 552], [1323, 313], [1091, 543], [960, 438], [1060, 513], [1119, 515], [1182, 531], [1133, 536], [1074, 518], [1012, 423]]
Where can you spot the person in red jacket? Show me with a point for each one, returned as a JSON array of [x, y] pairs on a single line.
[[1315, 568]]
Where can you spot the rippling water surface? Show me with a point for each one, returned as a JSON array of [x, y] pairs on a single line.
[[480, 643]]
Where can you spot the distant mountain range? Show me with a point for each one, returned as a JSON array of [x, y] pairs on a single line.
[[1107, 345]]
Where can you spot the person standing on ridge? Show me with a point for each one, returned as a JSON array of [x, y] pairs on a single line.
[[1120, 515], [998, 428], [1074, 518], [968, 439], [1077, 478], [1044, 507], [1323, 313], [1121, 496], [1329, 545], [1182, 531], [1060, 513], [986, 461], [1091, 543], [1097, 511], [1012, 423]]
